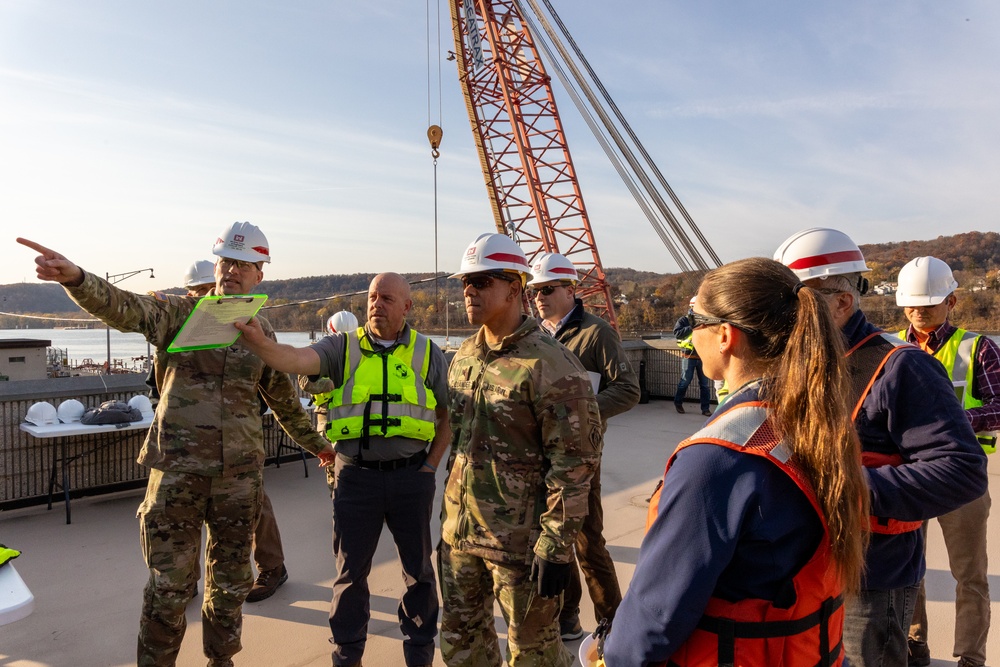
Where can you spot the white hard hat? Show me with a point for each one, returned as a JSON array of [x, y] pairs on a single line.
[[141, 403], [693, 300], [200, 273], [552, 266], [70, 411], [924, 281], [244, 242], [492, 252], [341, 322], [42, 414], [819, 253]]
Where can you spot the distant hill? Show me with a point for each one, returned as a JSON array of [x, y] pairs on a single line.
[[646, 301]]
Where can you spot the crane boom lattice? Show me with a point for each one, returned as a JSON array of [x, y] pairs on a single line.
[[526, 162]]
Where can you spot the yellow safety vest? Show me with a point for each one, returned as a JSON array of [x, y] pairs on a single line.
[[958, 355], [383, 391]]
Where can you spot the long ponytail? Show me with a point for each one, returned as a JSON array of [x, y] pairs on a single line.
[[799, 351]]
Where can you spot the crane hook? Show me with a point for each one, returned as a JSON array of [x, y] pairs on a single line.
[[434, 134]]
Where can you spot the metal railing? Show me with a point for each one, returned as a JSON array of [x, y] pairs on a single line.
[[107, 462]]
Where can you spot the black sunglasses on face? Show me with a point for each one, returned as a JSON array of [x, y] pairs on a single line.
[[546, 291], [484, 281], [699, 320]]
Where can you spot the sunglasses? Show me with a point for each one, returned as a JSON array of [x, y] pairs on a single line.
[[237, 264], [545, 291], [698, 320], [484, 281]]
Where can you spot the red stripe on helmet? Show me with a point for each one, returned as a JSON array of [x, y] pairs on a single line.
[[828, 258], [507, 257], [261, 249], [563, 269]]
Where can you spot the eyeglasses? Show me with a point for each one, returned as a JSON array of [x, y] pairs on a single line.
[[545, 291], [483, 281], [238, 264]]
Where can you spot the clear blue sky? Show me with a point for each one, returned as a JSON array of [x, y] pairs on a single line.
[[132, 133]]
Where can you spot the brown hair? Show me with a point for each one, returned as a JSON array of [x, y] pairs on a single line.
[[792, 342]]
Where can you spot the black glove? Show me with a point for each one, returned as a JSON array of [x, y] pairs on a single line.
[[552, 578]]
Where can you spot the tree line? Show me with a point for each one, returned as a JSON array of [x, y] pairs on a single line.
[[645, 302]]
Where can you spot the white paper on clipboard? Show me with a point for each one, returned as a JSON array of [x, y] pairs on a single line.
[[210, 324], [595, 380]]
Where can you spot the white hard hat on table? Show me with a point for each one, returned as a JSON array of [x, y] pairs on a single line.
[[244, 242], [141, 403], [70, 411], [924, 281], [553, 266], [42, 414]]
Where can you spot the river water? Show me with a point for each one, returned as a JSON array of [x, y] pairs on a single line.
[[130, 349]]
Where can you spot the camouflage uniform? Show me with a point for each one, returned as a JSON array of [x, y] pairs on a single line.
[[600, 350], [207, 453], [526, 437], [314, 387]]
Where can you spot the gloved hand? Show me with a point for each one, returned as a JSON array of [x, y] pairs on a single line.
[[552, 578]]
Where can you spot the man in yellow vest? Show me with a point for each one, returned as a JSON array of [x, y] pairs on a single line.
[[926, 291], [388, 420]]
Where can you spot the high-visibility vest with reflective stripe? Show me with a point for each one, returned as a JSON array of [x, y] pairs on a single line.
[[384, 392], [865, 362], [752, 632], [958, 355]]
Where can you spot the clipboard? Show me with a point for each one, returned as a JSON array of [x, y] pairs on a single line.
[[210, 324]]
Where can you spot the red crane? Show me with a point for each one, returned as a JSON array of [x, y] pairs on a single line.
[[526, 162]]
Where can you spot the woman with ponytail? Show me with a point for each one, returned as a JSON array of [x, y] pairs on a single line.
[[758, 529]]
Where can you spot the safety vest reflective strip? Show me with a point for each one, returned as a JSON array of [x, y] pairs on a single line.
[[686, 344], [957, 355], [402, 416], [807, 633], [866, 360]]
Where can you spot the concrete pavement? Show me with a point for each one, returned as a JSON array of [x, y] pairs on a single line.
[[87, 577]]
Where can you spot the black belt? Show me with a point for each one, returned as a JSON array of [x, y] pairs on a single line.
[[391, 464]]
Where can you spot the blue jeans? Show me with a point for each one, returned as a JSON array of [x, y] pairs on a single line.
[[876, 625], [688, 369]]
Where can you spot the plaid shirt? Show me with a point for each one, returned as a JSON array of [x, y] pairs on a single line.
[[985, 372]]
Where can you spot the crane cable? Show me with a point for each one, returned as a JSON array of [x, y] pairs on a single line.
[[434, 135]]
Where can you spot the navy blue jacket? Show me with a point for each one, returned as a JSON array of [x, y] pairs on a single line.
[[912, 407], [730, 525]]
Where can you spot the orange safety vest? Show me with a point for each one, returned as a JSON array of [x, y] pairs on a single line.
[[865, 361], [754, 633]]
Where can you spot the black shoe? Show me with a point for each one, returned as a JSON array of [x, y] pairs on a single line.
[[969, 662], [706, 413], [918, 655], [266, 584], [680, 408], [570, 630]]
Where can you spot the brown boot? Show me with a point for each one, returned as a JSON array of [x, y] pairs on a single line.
[[267, 583]]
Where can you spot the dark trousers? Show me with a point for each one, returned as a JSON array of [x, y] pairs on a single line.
[[690, 368], [363, 500], [267, 551], [875, 627], [595, 561]]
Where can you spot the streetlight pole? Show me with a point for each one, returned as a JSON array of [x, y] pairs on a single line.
[[113, 278]]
